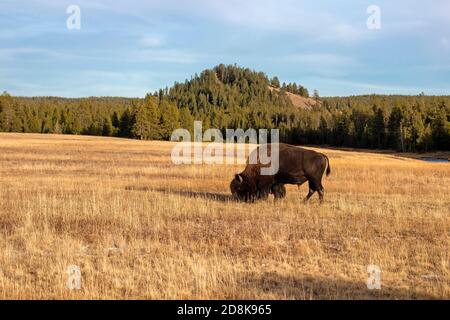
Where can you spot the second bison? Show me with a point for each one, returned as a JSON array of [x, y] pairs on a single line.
[[296, 166]]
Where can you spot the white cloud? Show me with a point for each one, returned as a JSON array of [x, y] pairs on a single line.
[[324, 64], [152, 41], [445, 42], [13, 52], [380, 88], [347, 32], [115, 75], [325, 59], [116, 90], [164, 55], [299, 18]]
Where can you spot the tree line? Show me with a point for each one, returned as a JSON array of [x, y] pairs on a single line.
[[233, 97]]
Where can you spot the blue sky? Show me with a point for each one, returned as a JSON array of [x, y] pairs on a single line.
[[129, 48]]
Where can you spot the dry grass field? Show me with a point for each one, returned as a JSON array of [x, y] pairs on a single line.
[[140, 227]]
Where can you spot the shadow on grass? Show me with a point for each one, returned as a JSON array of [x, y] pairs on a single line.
[[210, 195], [138, 188], [203, 195], [274, 286], [189, 194]]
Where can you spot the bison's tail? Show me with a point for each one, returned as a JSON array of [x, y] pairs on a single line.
[[328, 166]]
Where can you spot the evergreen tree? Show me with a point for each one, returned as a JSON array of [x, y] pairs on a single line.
[[141, 123], [303, 92], [316, 95], [323, 130], [107, 129], [154, 116], [440, 128], [115, 120], [395, 134], [187, 120], [170, 119], [378, 129], [6, 112], [275, 82], [126, 124]]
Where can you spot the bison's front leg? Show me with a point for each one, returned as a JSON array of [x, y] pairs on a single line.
[[263, 194], [264, 186], [279, 191]]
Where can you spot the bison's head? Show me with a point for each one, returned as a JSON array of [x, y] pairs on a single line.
[[243, 188]]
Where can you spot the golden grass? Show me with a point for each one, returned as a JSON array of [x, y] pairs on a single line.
[[140, 227]]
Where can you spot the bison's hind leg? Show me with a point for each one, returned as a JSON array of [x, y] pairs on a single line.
[[309, 195], [313, 187], [321, 192]]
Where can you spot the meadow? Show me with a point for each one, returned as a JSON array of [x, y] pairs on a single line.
[[140, 227]]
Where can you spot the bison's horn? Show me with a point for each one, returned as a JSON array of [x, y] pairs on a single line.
[[239, 178]]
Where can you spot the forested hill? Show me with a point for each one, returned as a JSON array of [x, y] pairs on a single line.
[[234, 97], [231, 88]]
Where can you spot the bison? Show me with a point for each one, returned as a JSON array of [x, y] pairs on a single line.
[[296, 166]]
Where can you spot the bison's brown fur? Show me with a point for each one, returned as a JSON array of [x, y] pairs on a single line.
[[296, 166]]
